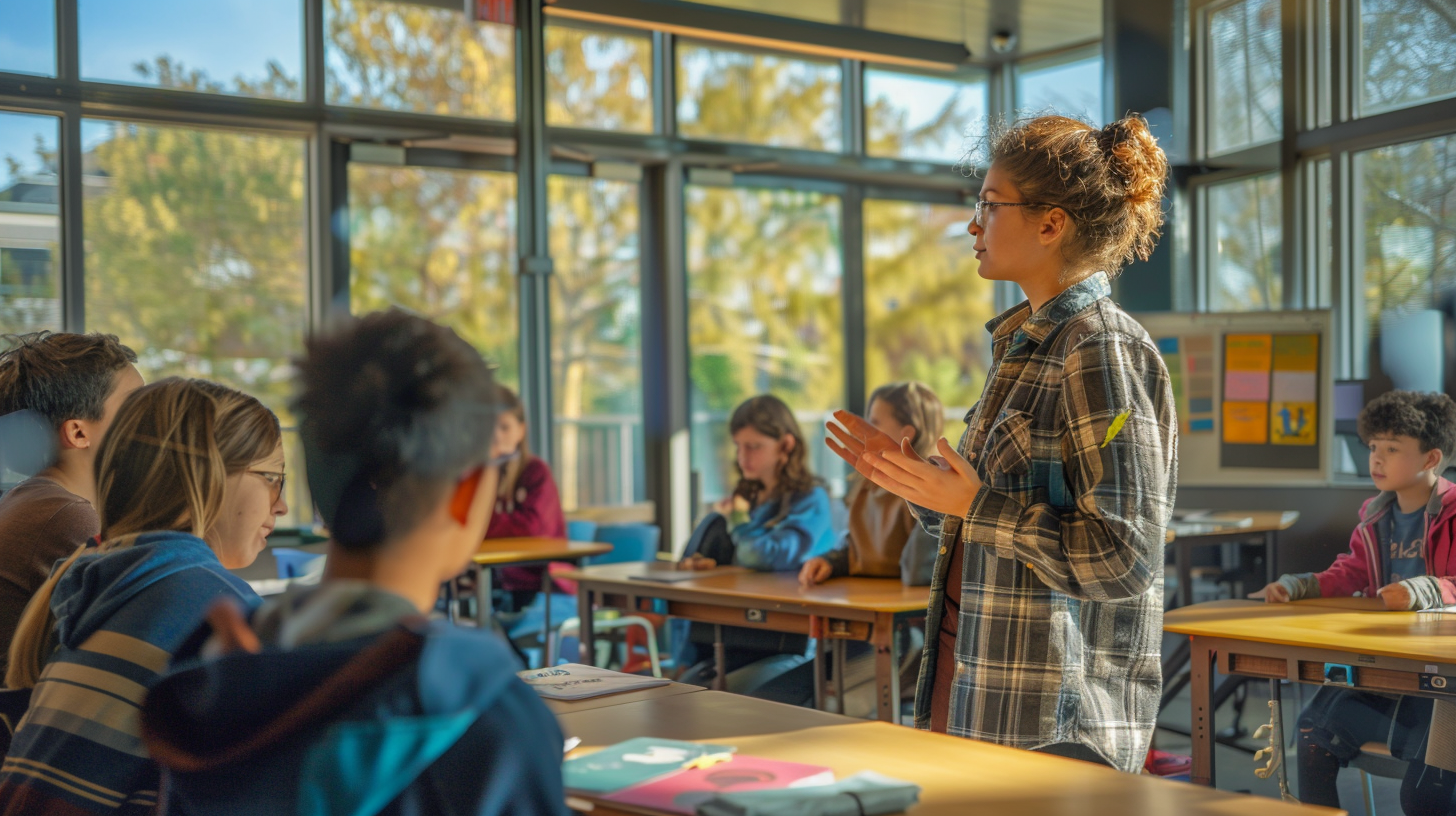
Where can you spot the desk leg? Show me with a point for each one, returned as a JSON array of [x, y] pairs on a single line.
[[1183, 563], [820, 644], [720, 659], [839, 651], [585, 626], [1271, 551], [887, 670], [482, 596], [1202, 661], [546, 660]]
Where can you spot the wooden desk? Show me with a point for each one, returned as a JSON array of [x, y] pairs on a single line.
[[864, 609], [1393, 652], [956, 776], [1221, 528], [526, 552], [561, 707]]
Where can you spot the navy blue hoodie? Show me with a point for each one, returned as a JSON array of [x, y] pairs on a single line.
[[120, 618], [419, 718]]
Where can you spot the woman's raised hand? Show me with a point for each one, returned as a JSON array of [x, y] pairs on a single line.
[[854, 440]]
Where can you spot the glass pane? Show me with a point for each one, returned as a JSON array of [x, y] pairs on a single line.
[[1070, 88], [405, 56], [911, 116], [1243, 258], [197, 257], [764, 316], [1408, 52], [30, 223], [249, 49], [1245, 91], [441, 243], [925, 306], [596, 342], [1408, 208], [28, 37], [736, 96], [598, 80]]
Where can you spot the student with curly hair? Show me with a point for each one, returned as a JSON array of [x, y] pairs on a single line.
[[1046, 605], [1403, 550]]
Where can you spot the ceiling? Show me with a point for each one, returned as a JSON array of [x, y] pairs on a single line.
[[1039, 25]]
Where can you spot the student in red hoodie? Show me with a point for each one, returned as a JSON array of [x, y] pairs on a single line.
[[1403, 551], [527, 503]]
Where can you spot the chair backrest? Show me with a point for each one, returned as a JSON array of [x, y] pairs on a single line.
[[293, 563], [13, 703], [630, 542], [581, 530]]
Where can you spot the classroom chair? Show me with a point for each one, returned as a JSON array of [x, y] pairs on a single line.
[[293, 563], [1375, 759], [581, 530], [630, 542]]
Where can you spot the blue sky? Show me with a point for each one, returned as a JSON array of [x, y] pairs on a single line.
[[17, 140]]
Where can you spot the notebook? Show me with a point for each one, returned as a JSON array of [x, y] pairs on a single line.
[[683, 791], [632, 762], [573, 681]]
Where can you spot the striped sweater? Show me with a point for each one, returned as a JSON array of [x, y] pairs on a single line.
[[120, 618]]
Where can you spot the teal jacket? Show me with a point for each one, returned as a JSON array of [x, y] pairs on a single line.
[[805, 531]]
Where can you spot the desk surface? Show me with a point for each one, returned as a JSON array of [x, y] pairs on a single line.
[[498, 551], [562, 707], [1226, 522], [957, 776], [871, 594], [1359, 625]]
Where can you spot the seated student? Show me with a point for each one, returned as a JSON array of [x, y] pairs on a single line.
[[884, 539], [189, 482], [75, 382], [775, 521], [1404, 551], [342, 697], [527, 503]]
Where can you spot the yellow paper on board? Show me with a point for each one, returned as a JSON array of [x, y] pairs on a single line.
[[1296, 352], [1292, 423], [1248, 352], [1246, 423]]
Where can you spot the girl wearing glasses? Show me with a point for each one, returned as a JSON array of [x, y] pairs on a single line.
[[189, 484], [527, 501], [1045, 616]]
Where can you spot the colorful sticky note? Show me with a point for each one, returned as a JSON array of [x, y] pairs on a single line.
[[1198, 344], [1201, 425], [1201, 405], [1292, 423], [1296, 352], [1168, 345], [1246, 386], [1246, 423], [1248, 352], [1200, 386], [1295, 386]]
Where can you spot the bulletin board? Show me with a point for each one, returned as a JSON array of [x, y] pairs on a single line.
[[1254, 395]]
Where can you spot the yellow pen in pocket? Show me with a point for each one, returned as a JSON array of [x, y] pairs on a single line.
[[1116, 427]]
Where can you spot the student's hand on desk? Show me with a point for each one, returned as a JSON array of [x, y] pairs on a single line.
[[815, 571], [1273, 593], [1397, 598], [946, 483], [853, 440], [724, 506], [697, 562]]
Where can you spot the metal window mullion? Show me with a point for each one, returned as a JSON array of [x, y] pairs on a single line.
[[1294, 81], [534, 250], [852, 289], [665, 356], [664, 83], [852, 110]]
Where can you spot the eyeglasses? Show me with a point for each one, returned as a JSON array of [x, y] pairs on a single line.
[[982, 204], [275, 482], [502, 459]]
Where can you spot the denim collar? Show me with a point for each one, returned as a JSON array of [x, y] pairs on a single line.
[[1058, 310]]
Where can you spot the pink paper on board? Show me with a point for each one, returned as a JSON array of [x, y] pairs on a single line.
[[1246, 386]]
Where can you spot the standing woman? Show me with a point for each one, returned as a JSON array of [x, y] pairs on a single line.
[[1046, 605]]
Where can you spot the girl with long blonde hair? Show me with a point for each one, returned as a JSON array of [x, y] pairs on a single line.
[[189, 482]]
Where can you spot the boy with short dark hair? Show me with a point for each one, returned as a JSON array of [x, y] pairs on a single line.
[[73, 383], [343, 697], [1403, 551]]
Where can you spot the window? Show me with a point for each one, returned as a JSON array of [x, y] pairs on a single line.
[[30, 223], [1243, 261], [197, 257], [925, 306], [598, 80], [596, 342], [440, 243], [764, 316], [1407, 53], [1406, 195], [28, 37], [1070, 85], [409, 56], [910, 116], [761, 98], [248, 49], [1245, 95]]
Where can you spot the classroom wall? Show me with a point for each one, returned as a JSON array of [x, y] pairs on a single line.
[[1326, 517]]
